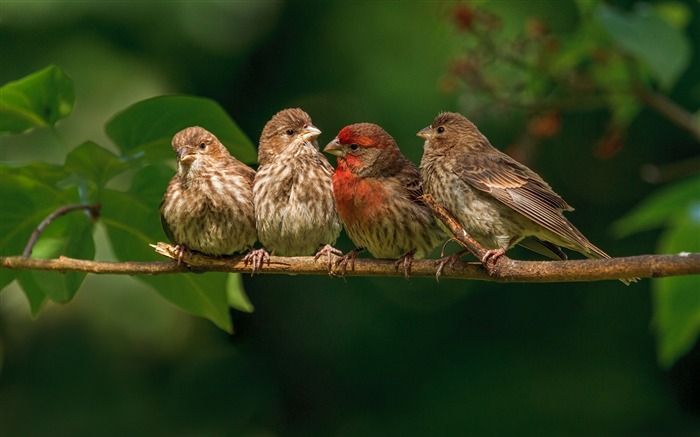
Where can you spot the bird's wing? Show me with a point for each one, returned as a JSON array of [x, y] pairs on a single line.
[[520, 188], [410, 176], [163, 222], [167, 230]]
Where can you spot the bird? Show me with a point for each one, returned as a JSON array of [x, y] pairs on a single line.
[[208, 205], [377, 191], [293, 193], [499, 201]]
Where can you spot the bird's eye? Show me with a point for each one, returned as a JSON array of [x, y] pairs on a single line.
[[354, 146], [441, 130], [202, 146], [290, 132]]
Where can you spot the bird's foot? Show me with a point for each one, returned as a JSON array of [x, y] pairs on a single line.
[[181, 250], [491, 256], [329, 251], [256, 258], [406, 261], [447, 261], [348, 258]]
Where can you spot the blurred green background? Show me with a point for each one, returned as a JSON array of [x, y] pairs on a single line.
[[321, 356]]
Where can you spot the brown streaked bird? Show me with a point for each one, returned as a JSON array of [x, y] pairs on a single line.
[[499, 201], [208, 205], [293, 191], [377, 191]]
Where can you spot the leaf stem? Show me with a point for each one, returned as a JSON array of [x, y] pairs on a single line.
[[93, 211]]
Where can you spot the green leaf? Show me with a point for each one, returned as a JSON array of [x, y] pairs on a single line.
[[645, 35], [586, 7], [676, 13], [145, 129], [29, 194], [131, 225], [677, 299], [236, 294], [69, 235], [659, 208], [95, 164], [676, 316], [40, 99], [132, 222], [202, 295], [32, 290]]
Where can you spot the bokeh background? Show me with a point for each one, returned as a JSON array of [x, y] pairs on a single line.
[[322, 356]]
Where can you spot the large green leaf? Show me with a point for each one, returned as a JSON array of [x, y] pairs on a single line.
[[29, 194], [644, 34], [659, 208], [40, 99], [202, 295], [133, 222], [95, 164], [677, 299], [236, 295], [146, 128], [71, 236]]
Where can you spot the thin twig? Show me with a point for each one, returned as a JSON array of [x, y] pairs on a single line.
[[669, 109], [458, 232], [93, 211]]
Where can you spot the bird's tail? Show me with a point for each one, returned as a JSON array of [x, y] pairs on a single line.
[[592, 252]]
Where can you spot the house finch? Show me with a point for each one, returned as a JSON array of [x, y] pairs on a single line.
[[499, 201], [377, 192], [208, 205], [293, 192]]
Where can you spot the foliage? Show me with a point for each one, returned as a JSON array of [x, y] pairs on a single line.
[[369, 356], [598, 65], [142, 134], [601, 64], [676, 209]]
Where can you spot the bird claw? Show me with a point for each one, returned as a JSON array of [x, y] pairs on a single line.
[[448, 261], [256, 258], [347, 258], [181, 250], [406, 261], [329, 251], [491, 256]]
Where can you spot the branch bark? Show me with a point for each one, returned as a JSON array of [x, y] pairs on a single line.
[[506, 270]]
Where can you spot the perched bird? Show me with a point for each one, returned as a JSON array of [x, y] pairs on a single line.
[[377, 192], [293, 192], [499, 201], [208, 205]]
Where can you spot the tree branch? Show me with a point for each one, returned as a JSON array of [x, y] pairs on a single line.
[[506, 270]]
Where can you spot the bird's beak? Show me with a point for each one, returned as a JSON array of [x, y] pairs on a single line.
[[335, 148], [310, 132], [182, 151], [185, 155], [426, 133]]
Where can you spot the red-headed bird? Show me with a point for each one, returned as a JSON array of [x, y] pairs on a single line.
[[377, 192]]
